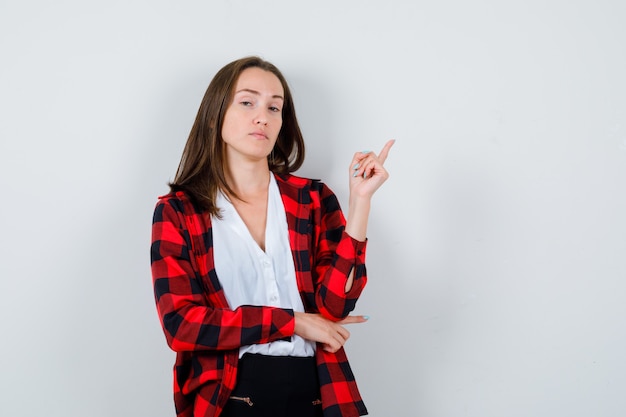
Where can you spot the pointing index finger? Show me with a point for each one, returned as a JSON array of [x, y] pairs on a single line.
[[383, 154]]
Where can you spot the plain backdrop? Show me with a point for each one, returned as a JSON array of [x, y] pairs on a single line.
[[497, 249]]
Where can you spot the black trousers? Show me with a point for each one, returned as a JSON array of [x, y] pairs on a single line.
[[275, 386]]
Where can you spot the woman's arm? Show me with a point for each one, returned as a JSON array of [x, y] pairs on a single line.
[[340, 246], [189, 320], [367, 174]]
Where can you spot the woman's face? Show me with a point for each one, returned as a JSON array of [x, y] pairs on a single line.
[[254, 117]]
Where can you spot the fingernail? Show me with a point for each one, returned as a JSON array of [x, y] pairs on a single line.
[[355, 174], [364, 175], [366, 317], [365, 151], [356, 166]]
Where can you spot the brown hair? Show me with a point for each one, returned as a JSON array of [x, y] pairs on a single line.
[[201, 172]]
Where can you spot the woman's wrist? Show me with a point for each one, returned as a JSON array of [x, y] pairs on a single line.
[[358, 214]]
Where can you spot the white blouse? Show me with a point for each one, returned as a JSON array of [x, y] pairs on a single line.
[[250, 276]]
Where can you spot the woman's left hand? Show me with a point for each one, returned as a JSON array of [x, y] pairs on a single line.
[[367, 172]]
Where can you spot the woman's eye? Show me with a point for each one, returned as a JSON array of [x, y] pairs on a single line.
[[274, 109], [246, 103]]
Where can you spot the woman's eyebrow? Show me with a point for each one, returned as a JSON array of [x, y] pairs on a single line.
[[251, 91]]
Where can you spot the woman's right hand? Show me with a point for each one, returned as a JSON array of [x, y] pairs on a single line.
[[332, 335]]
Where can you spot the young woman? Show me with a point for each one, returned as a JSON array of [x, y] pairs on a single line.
[[255, 270]]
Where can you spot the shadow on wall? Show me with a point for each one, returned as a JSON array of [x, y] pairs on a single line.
[[316, 121]]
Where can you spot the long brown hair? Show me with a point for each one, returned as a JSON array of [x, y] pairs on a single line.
[[201, 172]]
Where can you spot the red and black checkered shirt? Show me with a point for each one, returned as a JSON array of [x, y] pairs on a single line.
[[206, 334]]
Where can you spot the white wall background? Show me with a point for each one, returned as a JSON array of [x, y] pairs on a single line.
[[497, 252]]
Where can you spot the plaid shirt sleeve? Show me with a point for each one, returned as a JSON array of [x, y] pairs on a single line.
[[324, 254], [337, 255], [191, 306]]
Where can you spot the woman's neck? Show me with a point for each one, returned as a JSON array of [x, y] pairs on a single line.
[[249, 180]]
